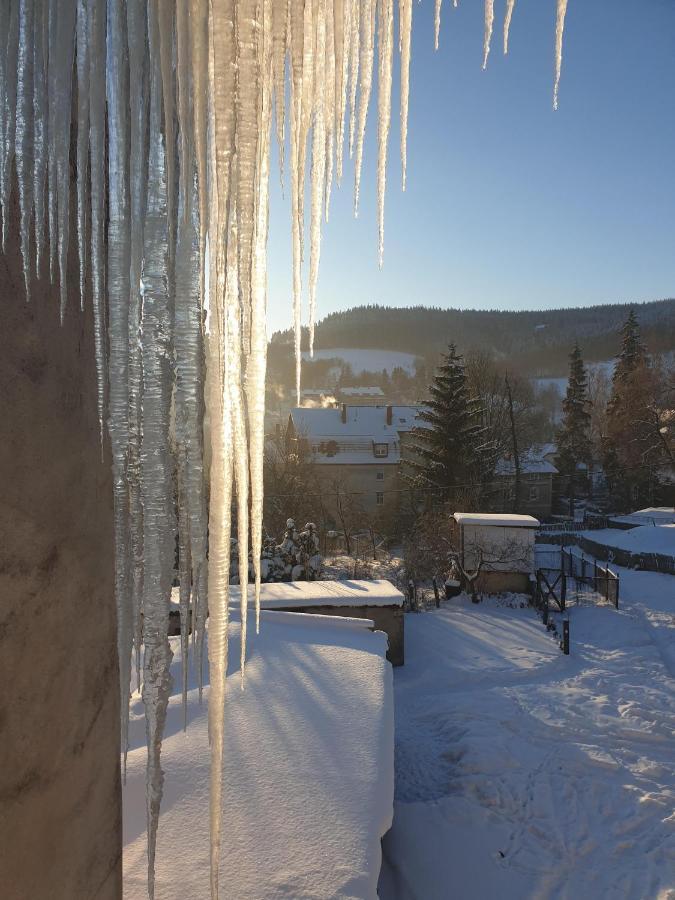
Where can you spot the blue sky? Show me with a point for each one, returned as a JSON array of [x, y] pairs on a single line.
[[508, 204]]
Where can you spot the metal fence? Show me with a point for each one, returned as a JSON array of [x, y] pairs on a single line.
[[600, 579]]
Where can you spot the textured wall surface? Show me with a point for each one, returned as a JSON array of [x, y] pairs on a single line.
[[60, 798]]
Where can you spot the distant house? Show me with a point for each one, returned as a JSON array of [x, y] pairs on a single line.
[[363, 396], [501, 545], [356, 449], [537, 473]]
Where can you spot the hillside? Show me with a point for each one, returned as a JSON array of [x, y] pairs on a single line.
[[536, 341]]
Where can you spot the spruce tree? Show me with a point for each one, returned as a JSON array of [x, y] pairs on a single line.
[[630, 455], [574, 441], [446, 450]]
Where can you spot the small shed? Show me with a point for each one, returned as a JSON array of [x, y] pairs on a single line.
[[377, 600], [502, 545]]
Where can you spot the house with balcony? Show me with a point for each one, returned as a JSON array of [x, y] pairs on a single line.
[[357, 451]]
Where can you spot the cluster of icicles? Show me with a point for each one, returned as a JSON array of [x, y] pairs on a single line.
[[173, 104]]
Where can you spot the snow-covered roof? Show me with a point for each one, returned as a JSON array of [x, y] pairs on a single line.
[[282, 595], [361, 392], [643, 539], [499, 519], [308, 769], [364, 426]]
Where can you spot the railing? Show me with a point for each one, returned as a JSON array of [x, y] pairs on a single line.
[[601, 579]]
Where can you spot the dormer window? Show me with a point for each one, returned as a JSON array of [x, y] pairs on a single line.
[[380, 450]]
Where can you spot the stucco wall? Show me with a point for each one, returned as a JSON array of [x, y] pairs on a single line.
[[389, 619], [60, 799]]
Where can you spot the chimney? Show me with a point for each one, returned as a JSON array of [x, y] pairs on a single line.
[[343, 414], [390, 414]]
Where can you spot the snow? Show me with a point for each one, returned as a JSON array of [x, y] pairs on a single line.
[[362, 360], [643, 539], [498, 519], [365, 426], [280, 595], [308, 769], [664, 515], [523, 773]]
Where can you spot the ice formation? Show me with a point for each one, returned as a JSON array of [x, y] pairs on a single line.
[[173, 104]]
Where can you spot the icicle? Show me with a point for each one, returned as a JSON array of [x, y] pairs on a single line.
[[297, 179], [559, 29], [405, 31], [118, 293], [156, 463], [343, 41], [507, 23], [137, 32], [82, 31], [355, 59], [318, 172], [39, 127], [366, 66], [97, 152], [256, 364], [437, 22], [222, 273], [165, 16], [489, 22], [280, 21], [24, 131], [329, 110], [62, 69], [385, 48], [52, 128], [8, 113]]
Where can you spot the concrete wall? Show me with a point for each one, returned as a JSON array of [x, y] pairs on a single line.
[[389, 619], [60, 797]]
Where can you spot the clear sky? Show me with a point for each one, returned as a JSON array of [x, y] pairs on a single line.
[[509, 204]]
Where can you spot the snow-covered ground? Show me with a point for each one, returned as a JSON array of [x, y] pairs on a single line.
[[644, 539], [308, 771], [368, 360], [523, 773]]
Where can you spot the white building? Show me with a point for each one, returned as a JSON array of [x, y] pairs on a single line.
[[357, 449], [501, 545]]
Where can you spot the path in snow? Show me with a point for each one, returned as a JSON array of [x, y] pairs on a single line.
[[522, 773]]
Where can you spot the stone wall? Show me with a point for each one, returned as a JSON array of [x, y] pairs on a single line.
[[60, 797]]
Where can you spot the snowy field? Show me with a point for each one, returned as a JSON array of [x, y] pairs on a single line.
[[368, 360], [522, 773], [308, 772]]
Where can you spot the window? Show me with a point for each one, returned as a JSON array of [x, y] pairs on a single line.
[[534, 493], [381, 450], [380, 476], [379, 498]]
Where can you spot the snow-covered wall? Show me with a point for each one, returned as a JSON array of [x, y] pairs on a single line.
[[60, 798]]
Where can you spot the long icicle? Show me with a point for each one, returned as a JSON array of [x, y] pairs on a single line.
[[507, 23], [489, 22], [385, 42], [159, 527], [559, 29], [405, 32]]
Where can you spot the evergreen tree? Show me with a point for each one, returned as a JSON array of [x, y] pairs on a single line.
[[446, 451], [631, 455], [574, 441], [633, 354]]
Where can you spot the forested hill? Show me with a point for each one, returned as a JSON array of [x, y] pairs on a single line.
[[536, 340]]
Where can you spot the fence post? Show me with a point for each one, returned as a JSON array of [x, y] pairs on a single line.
[[566, 637], [436, 594]]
